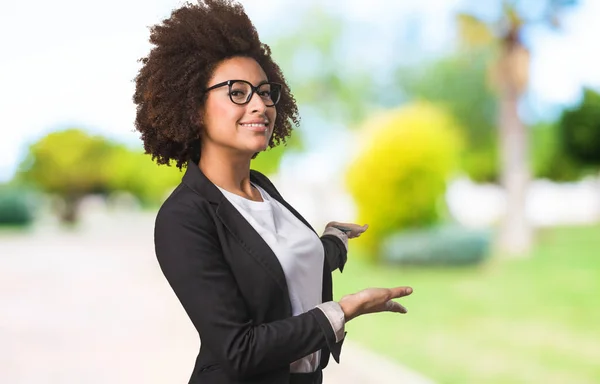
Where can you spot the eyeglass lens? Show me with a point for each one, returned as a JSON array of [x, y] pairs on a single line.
[[241, 92]]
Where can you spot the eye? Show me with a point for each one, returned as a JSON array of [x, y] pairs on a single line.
[[265, 93], [237, 93]]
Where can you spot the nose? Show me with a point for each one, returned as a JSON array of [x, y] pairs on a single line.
[[257, 104]]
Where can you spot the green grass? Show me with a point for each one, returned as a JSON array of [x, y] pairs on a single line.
[[532, 320]]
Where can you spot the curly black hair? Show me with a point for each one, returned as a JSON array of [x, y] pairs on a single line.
[[169, 87]]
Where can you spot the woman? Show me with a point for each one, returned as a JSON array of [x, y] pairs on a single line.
[[251, 273]]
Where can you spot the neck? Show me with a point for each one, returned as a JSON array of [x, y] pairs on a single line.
[[230, 171]]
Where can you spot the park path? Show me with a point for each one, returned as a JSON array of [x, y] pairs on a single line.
[[92, 307]]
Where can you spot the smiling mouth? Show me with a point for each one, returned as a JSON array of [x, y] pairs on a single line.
[[263, 125], [256, 127]]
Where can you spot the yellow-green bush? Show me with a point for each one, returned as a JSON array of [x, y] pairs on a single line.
[[399, 177], [136, 173], [67, 163], [72, 164]]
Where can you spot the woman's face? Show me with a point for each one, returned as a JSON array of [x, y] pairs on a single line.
[[241, 129]]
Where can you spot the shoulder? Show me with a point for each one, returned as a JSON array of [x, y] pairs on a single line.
[[184, 206]]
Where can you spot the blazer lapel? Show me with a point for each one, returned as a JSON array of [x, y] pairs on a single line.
[[252, 242], [241, 230]]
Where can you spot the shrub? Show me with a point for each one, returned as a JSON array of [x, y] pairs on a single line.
[[16, 206], [437, 246], [399, 178]]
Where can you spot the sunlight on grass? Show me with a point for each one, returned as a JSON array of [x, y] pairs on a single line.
[[531, 320]]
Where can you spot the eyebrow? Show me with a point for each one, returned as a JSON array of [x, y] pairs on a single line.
[[251, 82]]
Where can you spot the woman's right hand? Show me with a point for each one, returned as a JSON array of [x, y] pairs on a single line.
[[372, 300]]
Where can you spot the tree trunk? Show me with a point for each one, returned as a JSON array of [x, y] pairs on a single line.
[[69, 214], [516, 232]]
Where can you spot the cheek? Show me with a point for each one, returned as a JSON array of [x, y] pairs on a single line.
[[227, 113], [221, 116]]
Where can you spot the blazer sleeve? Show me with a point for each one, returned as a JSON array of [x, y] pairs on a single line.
[[336, 252], [191, 259]]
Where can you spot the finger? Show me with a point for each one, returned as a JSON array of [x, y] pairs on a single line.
[[357, 230], [400, 291], [392, 306], [353, 226]]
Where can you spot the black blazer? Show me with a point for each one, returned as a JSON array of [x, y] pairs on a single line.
[[233, 288]]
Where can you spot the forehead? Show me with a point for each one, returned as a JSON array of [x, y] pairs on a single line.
[[238, 68]]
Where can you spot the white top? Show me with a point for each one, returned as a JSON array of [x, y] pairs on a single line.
[[300, 253]]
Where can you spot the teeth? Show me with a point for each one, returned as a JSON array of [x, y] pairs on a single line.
[[255, 125]]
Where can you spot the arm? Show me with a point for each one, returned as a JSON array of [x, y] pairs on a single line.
[[335, 244], [191, 259]]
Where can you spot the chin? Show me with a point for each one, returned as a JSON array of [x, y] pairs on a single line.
[[259, 147]]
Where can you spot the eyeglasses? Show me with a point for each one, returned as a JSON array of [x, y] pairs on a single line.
[[241, 91]]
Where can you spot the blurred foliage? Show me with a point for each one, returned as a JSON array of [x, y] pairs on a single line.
[[579, 130], [16, 206], [568, 149], [505, 65], [445, 245], [268, 162], [548, 158], [458, 82], [68, 164], [318, 72], [72, 164], [136, 173], [473, 33], [399, 177]]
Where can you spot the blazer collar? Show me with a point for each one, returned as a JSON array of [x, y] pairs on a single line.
[[244, 233], [196, 180]]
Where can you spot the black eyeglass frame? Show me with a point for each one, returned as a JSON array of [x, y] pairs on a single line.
[[253, 90]]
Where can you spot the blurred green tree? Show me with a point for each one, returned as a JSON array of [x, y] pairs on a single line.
[[134, 172], [399, 178], [509, 72], [579, 130], [72, 164], [68, 164], [548, 156]]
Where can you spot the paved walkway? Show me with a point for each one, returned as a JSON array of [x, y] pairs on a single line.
[[93, 307]]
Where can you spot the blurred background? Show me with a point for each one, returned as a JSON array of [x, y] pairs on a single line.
[[465, 133]]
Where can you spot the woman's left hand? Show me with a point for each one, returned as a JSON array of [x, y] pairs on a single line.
[[351, 230]]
